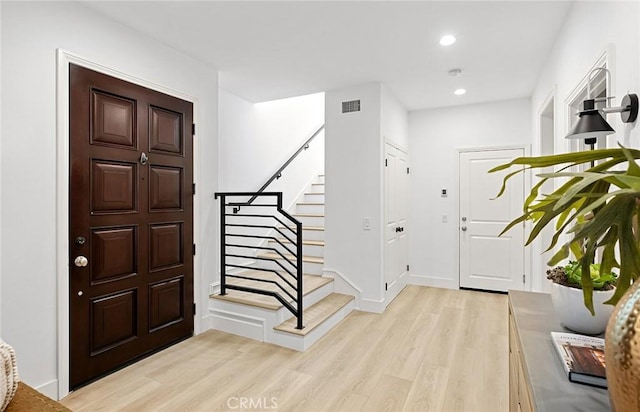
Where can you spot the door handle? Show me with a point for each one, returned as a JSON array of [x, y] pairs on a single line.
[[464, 228], [144, 159], [81, 261], [397, 229]]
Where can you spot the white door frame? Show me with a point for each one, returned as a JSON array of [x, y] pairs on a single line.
[[538, 246], [62, 200], [527, 187]]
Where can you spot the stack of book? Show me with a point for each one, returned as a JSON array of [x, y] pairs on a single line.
[[582, 357]]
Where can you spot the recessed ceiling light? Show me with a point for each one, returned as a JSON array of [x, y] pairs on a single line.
[[447, 40], [455, 72], [459, 92]]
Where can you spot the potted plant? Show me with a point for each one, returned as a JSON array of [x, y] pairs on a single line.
[[595, 209], [566, 295]]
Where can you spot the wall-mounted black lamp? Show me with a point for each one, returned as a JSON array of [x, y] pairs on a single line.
[[591, 124]]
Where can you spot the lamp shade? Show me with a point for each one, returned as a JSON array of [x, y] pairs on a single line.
[[590, 124]]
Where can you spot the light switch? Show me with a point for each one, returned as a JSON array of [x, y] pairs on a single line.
[[445, 218], [366, 223], [443, 193]]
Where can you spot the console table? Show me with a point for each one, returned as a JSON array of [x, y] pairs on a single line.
[[537, 381]]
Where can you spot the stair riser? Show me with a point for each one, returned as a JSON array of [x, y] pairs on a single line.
[[313, 234], [313, 221], [321, 179], [307, 267], [307, 250], [317, 188], [314, 197], [306, 234], [310, 208], [300, 343]]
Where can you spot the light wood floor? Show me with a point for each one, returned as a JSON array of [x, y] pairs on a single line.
[[432, 350]]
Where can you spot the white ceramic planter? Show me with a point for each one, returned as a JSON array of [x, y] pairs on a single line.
[[568, 304]]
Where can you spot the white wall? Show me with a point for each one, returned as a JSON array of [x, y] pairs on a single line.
[[591, 29], [394, 121], [353, 169], [435, 137], [256, 139], [31, 33], [0, 173]]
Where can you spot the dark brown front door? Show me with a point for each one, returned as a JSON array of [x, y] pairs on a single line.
[[131, 222]]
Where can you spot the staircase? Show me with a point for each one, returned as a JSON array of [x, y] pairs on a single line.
[[263, 317]]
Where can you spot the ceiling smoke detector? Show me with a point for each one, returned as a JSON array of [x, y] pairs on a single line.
[[455, 72]]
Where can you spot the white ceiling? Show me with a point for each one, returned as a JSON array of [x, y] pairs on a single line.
[[268, 50]]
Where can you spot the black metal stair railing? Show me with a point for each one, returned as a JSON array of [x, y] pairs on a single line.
[[239, 233]]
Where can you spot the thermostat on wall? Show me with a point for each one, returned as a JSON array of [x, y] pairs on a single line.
[[443, 193]]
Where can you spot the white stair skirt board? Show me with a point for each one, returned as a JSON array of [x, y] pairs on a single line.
[[321, 318]]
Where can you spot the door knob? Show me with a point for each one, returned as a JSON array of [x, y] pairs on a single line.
[[81, 261], [464, 228], [464, 218]]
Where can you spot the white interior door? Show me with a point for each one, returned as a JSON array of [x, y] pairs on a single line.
[[489, 261], [396, 210]]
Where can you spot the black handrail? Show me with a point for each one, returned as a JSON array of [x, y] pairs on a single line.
[[278, 173], [294, 266]]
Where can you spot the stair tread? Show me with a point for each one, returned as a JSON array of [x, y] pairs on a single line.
[[314, 193], [316, 314], [308, 214], [306, 227], [310, 259], [310, 283], [310, 204]]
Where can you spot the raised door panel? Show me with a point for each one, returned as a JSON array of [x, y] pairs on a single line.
[[113, 120], [165, 246], [113, 254], [113, 321], [165, 188], [113, 187], [166, 303], [165, 131]]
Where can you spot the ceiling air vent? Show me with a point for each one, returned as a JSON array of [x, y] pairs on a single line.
[[351, 106]]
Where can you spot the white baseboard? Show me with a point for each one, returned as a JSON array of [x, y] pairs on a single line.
[[372, 305], [435, 282], [50, 389]]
